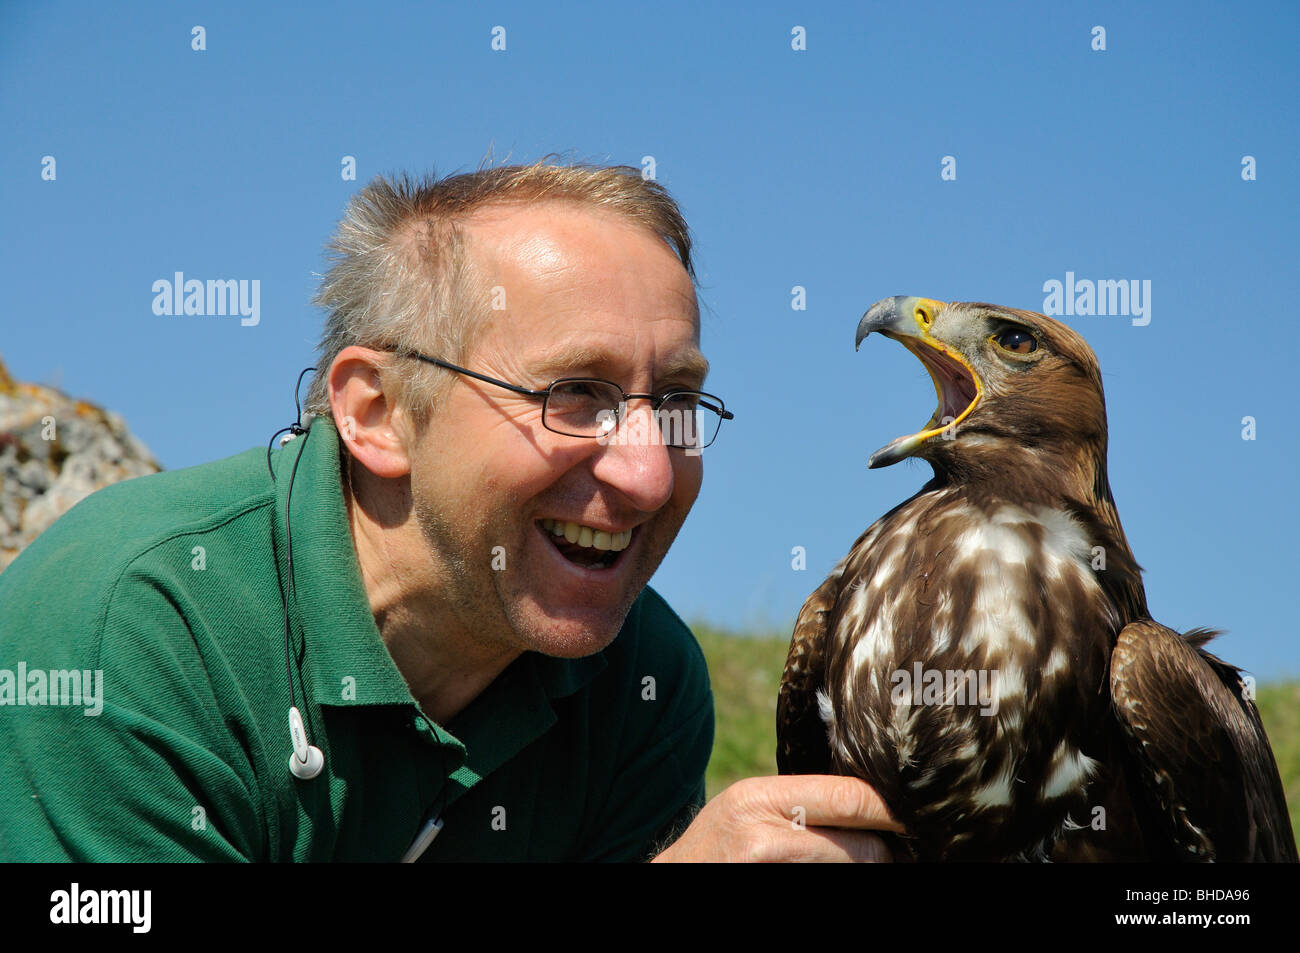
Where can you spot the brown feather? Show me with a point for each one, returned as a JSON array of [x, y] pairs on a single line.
[[1013, 562]]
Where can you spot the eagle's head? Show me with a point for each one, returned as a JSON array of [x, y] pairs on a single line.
[[1015, 388]]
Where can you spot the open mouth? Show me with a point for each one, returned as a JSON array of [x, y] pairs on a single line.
[[955, 384], [586, 546]]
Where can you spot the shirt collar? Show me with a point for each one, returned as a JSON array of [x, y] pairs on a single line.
[[515, 710], [343, 657]]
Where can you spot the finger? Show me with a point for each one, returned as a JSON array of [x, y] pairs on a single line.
[[826, 800], [829, 845]]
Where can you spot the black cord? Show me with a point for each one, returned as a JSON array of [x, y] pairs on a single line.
[[293, 588], [298, 430]]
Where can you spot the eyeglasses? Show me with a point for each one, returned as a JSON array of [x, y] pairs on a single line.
[[591, 407]]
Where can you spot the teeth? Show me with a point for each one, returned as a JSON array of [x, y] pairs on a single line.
[[588, 536]]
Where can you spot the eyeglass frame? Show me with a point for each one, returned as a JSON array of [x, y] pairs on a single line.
[[655, 401]]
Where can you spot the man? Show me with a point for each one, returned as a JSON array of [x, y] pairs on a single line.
[[455, 610]]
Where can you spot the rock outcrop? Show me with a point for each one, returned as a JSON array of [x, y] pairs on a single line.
[[55, 450]]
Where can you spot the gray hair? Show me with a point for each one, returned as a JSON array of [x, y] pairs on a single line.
[[400, 278]]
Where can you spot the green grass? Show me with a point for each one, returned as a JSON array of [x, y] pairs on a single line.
[[746, 674], [1279, 707]]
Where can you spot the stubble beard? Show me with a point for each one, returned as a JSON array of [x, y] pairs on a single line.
[[492, 602], [468, 592]]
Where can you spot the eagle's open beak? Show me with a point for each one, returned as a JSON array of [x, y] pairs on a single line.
[[908, 320]]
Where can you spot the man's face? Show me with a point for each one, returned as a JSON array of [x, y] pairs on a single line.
[[587, 295]]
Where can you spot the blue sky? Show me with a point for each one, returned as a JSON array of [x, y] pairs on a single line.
[[818, 168]]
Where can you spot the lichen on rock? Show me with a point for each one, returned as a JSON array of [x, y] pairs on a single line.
[[56, 450]]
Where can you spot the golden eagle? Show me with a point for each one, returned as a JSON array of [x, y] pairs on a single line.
[[984, 656]]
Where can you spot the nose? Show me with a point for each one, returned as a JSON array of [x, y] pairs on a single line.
[[634, 460]]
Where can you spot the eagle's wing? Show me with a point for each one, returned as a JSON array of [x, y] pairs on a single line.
[[1196, 741], [801, 745]]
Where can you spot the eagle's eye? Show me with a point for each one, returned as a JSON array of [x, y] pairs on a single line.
[[1017, 340]]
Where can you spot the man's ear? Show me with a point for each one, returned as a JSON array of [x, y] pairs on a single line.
[[377, 434]]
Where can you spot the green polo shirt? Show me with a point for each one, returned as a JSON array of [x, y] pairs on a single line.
[[168, 588]]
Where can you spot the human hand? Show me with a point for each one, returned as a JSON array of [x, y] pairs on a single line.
[[801, 817]]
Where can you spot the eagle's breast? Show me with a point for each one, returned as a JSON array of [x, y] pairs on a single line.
[[966, 667]]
